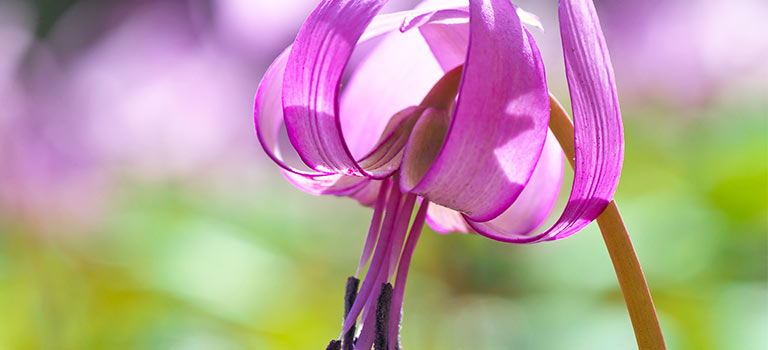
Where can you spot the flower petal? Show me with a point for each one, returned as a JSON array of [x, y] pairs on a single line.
[[312, 81], [446, 220], [448, 42], [599, 134], [367, 194], [268, 120], [535, 202], [386, 156], [395, 75], [500, 121], [334, 184], [458, 14], [447, 32]]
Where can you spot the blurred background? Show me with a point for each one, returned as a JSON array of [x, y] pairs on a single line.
[[137, 210]]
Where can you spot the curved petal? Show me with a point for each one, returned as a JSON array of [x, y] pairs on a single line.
[[334, 184], [535, 202], [458, 14], [398, 73], [268, 120], [312, 81], [598, 132], [368, 193], [448, 42], [268, 112], [446, 220], [500, 121], [386, 157]]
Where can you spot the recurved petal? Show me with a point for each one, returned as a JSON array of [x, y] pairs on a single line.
[[367, 193], [500, 122], [599, 136], [268, 118], [445, 220], [395, 75], [312, 81], [334, 184], [535, 202], [598, 133]]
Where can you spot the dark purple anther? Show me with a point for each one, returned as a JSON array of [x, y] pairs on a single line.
[[349, 299], [334, 345], [382, 317]]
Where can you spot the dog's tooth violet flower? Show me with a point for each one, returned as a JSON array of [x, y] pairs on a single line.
[[451, 112]]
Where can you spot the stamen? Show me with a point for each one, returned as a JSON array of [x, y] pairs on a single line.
[[349, 299], [373, 231], [399, 237], [402, 274], [374, 307], [378, 258], [382, 317], [334, 345], [392, 248]]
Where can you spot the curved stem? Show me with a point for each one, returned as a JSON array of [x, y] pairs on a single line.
[[631, 280]]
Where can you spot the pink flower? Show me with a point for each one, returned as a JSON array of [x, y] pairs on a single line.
[[451, 110]]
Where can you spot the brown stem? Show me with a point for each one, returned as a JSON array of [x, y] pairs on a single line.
[[628, 271]]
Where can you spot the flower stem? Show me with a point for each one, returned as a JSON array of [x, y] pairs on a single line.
[[631, 280]]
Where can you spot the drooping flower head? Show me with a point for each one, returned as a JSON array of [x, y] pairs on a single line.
[[451, 110]]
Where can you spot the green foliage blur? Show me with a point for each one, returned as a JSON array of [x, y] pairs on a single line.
[[239, 259]]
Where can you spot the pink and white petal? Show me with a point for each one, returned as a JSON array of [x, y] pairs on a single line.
[[500, 121], [447, 32], [334, 184], [397, 74], [446, 220], [368, 193], [530, 19], [535, 202], [447, 42]]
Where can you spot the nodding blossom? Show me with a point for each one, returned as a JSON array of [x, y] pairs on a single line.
[[450, 112]]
